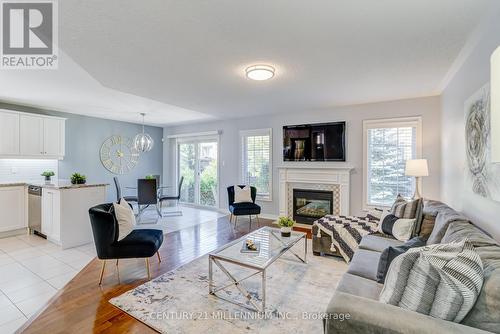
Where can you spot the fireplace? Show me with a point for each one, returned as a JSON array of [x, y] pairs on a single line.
[[310, 205]]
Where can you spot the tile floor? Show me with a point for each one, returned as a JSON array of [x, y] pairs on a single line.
[[31, 271]]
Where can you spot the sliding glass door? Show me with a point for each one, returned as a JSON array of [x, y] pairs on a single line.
[[197, 163]]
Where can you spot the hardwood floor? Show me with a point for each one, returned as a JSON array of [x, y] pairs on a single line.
[[82, 306]]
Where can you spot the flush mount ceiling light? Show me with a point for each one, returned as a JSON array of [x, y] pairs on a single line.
[[260, 72]]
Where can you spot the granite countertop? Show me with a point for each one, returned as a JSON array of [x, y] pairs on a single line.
[[54, 184], [12, 184]]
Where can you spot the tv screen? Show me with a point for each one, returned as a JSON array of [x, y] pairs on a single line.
[[314, 142]]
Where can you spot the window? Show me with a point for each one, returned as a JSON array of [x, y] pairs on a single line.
[[387, 145], [256, 161]]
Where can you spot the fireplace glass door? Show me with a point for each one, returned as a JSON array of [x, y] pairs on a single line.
[[310, 205]]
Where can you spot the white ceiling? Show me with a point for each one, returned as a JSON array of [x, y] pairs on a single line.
[[184, 61]]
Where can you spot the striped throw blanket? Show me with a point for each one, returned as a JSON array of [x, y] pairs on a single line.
[[346, 232]]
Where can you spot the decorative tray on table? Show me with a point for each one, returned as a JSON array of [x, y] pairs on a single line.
[[250, 246]]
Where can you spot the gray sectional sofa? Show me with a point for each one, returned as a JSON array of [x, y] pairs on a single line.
[[357, 293]]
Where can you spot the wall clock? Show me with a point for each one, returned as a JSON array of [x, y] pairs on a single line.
[[118, 154]]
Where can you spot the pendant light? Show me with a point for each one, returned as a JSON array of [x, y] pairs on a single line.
[[143, 141]]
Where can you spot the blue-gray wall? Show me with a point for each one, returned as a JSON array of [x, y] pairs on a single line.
[[84, 137]]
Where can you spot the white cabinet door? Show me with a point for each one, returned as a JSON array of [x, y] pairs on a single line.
[[31, 135], [51, 214], [53, 137], [9, 133], [12, 208]]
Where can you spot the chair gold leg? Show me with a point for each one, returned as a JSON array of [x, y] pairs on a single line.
[[117, 262], [102, 271], [235, 220], [147, 267], [231, 218], [250, 221], [159, 257], [258, 220]]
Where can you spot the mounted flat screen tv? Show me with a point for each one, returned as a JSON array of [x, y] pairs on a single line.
[[314, 142]]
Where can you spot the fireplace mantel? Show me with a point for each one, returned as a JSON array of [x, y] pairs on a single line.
[[314, 176]]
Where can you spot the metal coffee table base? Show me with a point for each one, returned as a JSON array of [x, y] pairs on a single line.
[[238, 282]]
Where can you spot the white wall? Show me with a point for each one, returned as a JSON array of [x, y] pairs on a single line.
[[428, 108], [472, 75]]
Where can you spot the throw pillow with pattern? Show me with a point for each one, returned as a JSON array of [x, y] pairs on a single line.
[[399, 228], [409, 209], [440, 280]]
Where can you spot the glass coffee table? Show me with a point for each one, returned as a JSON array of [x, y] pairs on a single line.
[[271, 247]]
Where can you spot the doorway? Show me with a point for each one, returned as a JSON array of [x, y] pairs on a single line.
[[197, 161]]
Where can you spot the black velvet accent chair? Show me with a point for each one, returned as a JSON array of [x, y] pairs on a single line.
[[142, 243], [243, 209]]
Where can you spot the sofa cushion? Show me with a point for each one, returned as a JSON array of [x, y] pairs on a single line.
[[359, 286], [364, 263], [486, 311], [390, 253], [378, 243], [445, 216], [459, 230]]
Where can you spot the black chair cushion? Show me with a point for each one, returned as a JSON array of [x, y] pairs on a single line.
[[241, 209], [139, 243]]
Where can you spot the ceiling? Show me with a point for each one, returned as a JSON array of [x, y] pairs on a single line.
[[183, 61]]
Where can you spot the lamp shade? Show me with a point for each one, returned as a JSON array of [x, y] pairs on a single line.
[[417, 167], [495, 106]]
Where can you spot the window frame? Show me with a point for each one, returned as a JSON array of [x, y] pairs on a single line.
[[243, 160], [415, 121]]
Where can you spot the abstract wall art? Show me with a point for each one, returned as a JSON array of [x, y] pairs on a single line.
[[482, 176]]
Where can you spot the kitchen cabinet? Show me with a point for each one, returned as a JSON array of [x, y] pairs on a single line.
[[25, 135], [53, 137], [13, 208], [31, 135], [65, 213], [51, 214], [9, 133]]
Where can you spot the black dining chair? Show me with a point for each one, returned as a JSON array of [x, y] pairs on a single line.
[[147, 194], [143, 243], [243, 209], [162, 198], [119, 192]]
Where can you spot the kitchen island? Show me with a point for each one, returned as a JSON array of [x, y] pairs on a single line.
[[65, 211], [61, 211]]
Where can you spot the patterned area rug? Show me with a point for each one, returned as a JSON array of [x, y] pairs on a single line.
[[178, 301]]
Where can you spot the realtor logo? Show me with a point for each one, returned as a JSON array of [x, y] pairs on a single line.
[[29, 34]]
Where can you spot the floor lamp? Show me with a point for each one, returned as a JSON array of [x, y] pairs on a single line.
[[417, 168]]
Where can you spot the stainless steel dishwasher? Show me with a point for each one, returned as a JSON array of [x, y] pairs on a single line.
[[35, 210]]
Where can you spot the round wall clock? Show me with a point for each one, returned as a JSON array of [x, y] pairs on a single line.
[[118, 154]]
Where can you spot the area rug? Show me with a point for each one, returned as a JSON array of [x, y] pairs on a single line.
[[178, 301]]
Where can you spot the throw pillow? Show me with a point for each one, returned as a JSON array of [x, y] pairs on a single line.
[[390, 254], [441, 280], [125, 218], [242, 195], [399, 228], [406, 209], [428, 221]]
